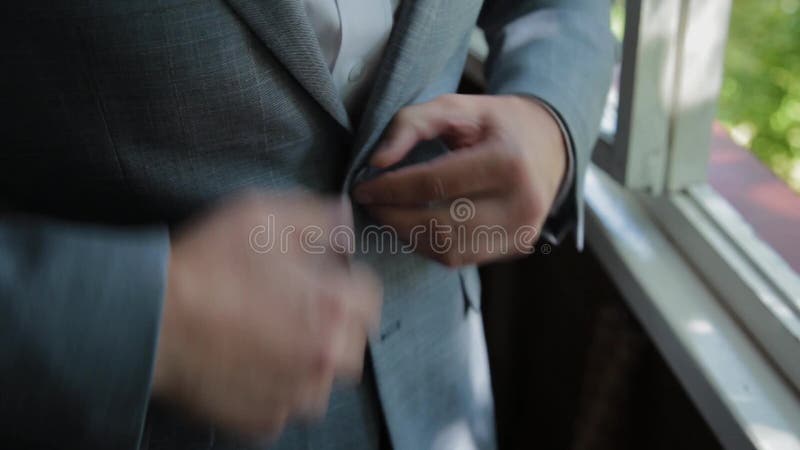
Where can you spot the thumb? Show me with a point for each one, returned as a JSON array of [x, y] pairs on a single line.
[[422, 122]]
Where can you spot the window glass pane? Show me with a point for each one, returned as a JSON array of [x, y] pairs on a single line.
[[760, 99], [755, 154]]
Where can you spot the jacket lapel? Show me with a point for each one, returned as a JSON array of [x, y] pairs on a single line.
[[284, 28], [398, 76]]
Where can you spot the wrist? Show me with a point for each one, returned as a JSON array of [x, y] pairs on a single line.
[[554, 135]]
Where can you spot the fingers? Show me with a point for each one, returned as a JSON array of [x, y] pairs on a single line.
[[478, 170], [365, 302], [351, 314], [344, 310], [367, 296], [355, 299], [314, 398], [259, 429], [446, 116], [324, 212], [259, 415], [265, 331], [298, 224], [487, 234]]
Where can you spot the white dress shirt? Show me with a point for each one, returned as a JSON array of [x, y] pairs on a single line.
[[352, 35]]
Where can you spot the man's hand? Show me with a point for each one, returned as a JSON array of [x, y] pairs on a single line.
[[508, 159], [250, 337]]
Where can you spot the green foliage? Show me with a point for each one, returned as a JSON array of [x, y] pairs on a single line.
[[760, 101], [618, 19]]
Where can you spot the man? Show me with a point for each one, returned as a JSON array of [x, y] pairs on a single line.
[[153, 147]]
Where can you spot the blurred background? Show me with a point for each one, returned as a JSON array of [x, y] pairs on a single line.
[[576, 364], [759, 106]]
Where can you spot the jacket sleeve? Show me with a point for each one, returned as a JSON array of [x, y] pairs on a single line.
[[562, 52], [79, 316]]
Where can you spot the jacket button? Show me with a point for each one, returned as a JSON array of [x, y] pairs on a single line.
[[356, 72]]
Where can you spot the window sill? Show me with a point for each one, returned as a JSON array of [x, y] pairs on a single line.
[[743, 397]]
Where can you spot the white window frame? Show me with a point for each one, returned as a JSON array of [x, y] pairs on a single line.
[[660, 153], [720, 304], [675, 50], [661, 148], [746, 401]]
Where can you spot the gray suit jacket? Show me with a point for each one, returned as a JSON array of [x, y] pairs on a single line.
[[124, 117]]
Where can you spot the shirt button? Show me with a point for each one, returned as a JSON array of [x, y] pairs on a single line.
[[356, 72]]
